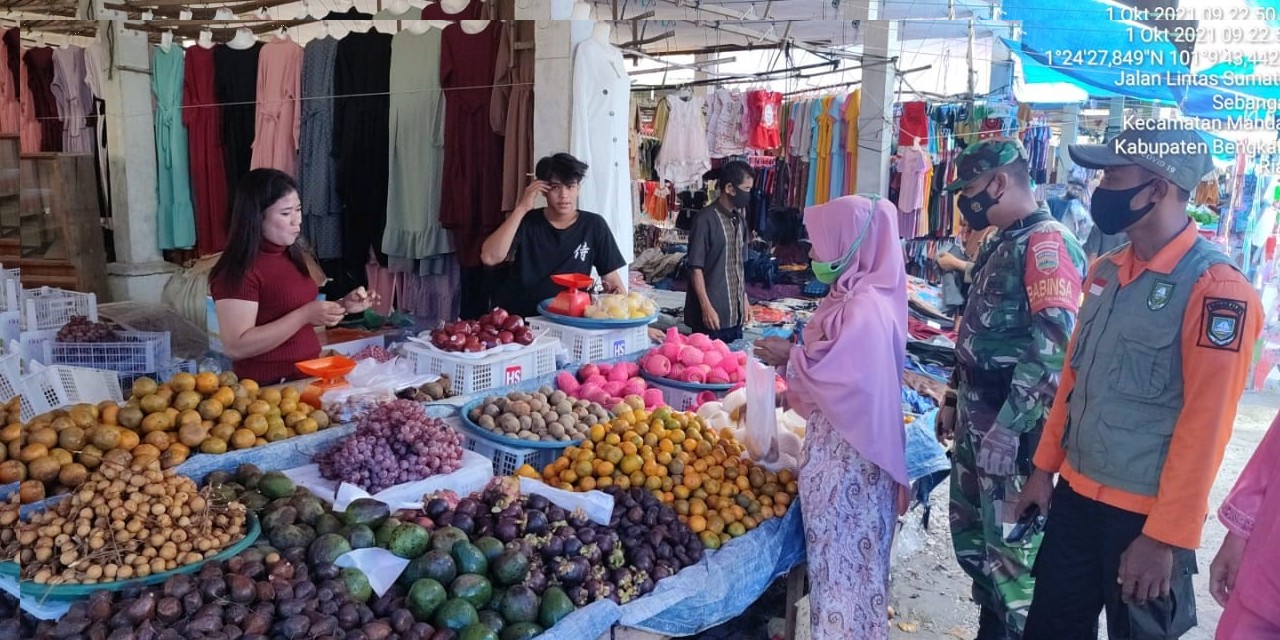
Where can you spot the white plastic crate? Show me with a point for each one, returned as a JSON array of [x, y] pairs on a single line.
[[134, 352], [594, 345], [49, 308], [474, 375], [163, 374], [10, 286], [56, 387], [506, 459], [10, 376], [682, 399], [10, 328]]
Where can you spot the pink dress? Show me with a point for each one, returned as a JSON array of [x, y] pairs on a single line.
[[1252, 511], [279, 120]]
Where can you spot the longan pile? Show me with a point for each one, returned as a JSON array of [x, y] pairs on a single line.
[[126, 521]]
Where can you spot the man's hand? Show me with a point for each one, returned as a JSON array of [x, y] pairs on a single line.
[[529, 200], [945, 426], [1145, 569], [748, 316], [1225, 566], [949, 262], [1037, 491], [997, 455], [710, 319]]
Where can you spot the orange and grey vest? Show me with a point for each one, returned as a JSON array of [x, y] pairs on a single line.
[[1127, 360]]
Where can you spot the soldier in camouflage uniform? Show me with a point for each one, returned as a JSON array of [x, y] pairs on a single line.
[[1021, 312]]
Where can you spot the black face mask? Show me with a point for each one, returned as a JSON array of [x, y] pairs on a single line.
[[975, 208], [741, 199], [1110, 208]]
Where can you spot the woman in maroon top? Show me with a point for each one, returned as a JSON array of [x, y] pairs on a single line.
[[265, 283]]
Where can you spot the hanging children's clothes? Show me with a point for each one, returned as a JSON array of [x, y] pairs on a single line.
[[203, 119], [362, 81], [73, 99], [683, 158], [416, 149], [177, 225], [599, 137], [317, 167], [724, 124], [40, 85], [279, 113], [235, 74], [913, 124], [766, 119]]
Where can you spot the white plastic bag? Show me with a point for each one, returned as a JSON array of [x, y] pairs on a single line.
[[394, 375], [598, 505], [761, 420], [381, 567]]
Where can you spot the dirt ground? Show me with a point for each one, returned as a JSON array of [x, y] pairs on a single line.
[[930, 592]]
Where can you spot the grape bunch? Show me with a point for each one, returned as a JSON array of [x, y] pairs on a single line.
[[80, 329], [394, 443], [379, 354]]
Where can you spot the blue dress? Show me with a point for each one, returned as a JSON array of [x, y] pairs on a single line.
[[175, 213]]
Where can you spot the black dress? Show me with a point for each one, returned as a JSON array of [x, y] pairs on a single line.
[[361, 82], [40, 84], [235, 77], [13, 47]]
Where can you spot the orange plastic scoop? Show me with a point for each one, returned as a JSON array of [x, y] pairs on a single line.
[[574, 302], [330, 371]]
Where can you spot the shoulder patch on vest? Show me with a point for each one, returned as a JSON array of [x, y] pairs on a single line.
[[1223, 320]]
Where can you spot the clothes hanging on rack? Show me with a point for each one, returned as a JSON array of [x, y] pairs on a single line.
[[683, 158], [39, 63], [475, 10], [416, 141], [175, 214], [317, 166], [95, 77], [10, 102], [203, 119], [362, 77], [31, 134], [73, 99], [765, 116], [12, 42], [725, 114], [599, 137], [851, 106], [511, 111], [279, 111], [236, 85]]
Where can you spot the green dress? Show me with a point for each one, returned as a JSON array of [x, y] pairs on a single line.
[[176, 220]]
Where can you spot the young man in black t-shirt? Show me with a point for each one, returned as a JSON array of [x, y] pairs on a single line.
[[540, 243]]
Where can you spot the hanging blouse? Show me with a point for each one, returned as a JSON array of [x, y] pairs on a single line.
[[416, 148], [317, 168], [203, 118], [40, 84], [73, 99], [684, 158], [177, 227], [236, 83], [279, 112]]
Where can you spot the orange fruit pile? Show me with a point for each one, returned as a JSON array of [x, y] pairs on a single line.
[[699, 472]]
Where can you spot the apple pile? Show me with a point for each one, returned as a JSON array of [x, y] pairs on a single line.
[[696, 359], [609, 385], [494, 329]]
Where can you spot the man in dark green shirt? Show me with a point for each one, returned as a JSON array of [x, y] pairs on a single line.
[[716, 303]]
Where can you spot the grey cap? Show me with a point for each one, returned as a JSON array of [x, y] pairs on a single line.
[[1176, 154]]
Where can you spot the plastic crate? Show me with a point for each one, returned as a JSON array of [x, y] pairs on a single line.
[[506, 459], [166, 372], [49, 308], [56, 387], [10, 287], [683, 396], [594, 345], [135, 352], [474, 375], [10, 376]]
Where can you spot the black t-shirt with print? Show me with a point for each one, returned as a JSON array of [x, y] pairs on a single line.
[[540, 251]]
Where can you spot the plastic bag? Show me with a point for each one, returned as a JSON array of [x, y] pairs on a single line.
[[760, 434], [394, 375], [598, 505], [381, 567]]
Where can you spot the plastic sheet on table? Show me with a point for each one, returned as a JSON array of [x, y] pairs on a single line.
[[36, 607], [473, 475], [285, 454], [598, 505], [709, 593]]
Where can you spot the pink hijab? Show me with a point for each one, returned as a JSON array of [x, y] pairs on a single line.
[[850, 366]]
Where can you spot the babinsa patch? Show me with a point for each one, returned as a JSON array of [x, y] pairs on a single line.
[[1223, 320]]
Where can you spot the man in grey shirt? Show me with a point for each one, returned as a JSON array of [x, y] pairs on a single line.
[[716, 303]]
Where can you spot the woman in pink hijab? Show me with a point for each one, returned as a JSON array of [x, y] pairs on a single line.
[[846, 379], [1245, 576]]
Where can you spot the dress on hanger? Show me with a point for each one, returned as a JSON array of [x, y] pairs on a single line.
[[177, 226], [416, 149], [835, 148], [31, 135], [475, 10], [683, 158], [13, 47], [511, 112], [235, 73], [724, 124], [599, 137], [471, 205], [350, 14], [851, 106], [10, 105], [279, 115], [362, 80], [73, 98], [203, 119], [317, 167], [40, 84], [814, 143], [766, 107]]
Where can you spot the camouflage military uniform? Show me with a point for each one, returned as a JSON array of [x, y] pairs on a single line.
[[1012, 340]]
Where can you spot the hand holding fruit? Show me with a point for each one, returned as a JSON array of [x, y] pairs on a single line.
[[323, 313]]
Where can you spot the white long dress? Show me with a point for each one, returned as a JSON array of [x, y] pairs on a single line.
[[599, 137]]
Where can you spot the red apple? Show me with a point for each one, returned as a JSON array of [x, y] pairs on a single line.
[[506, 337]]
